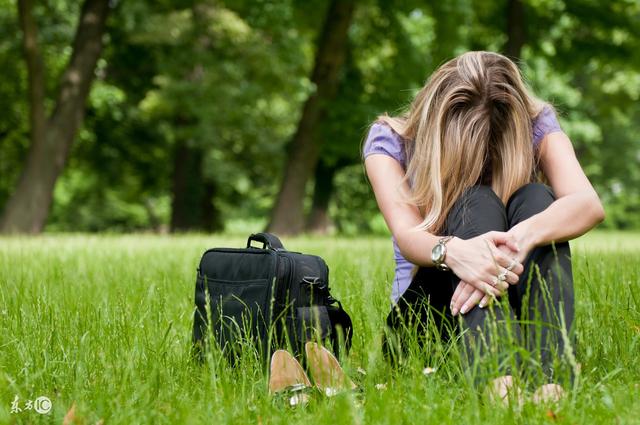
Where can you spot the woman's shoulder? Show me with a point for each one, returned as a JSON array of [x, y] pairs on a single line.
[[382, 139], [544, 123]]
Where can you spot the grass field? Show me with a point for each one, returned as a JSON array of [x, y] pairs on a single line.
[[105, 322]]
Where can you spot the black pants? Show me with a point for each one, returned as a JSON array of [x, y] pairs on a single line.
[[539, 313]]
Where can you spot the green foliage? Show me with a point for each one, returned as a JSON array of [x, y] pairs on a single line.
[[14, 118], [354, 207], [216, 81], [228, 79], [105, 322]]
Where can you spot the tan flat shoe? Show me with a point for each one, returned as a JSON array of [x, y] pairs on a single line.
[[327, 374], [287, 377], [504, 390], [548, 394]]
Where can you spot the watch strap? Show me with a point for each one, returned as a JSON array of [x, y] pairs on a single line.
[[445, 239], [442, 241]]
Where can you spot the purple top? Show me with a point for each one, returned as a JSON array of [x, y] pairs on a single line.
[[383, 140]]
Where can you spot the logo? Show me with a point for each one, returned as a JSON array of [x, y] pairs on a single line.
[[42, 405]]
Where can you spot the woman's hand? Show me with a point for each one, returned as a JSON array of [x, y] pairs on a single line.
[[478, 262], [466, 296], [523, 236]]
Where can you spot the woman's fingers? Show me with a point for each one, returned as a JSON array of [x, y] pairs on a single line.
[[484, 263], [485, 301], [501, 258], [456, 295], [501, 285], [471, 302], [475, 298], [504, 238], [460, 296], [488, 288], [517, 266], [464, 292], [508, 262], [510, 278]]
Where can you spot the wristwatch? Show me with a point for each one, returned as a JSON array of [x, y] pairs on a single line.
[[439, 252]]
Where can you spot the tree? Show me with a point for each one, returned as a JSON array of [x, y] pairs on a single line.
[[51, 136], [339, 148], [288, 212], [516, 35], [211, 103], [319, 220], [386, 50], [225, 94]]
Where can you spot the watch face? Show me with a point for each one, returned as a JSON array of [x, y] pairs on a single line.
[[437, 253]]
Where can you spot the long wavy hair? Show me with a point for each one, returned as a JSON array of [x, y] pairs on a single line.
[[471, 123]]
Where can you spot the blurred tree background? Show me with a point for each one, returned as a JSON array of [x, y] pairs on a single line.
[[211, 115]]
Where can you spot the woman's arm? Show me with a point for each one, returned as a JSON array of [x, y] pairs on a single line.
[[577, 208], [472, 260], [385, 175]]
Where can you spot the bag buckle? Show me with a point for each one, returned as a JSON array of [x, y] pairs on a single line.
[[314, 281]]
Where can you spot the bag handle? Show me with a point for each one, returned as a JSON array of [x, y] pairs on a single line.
[[268, 240]]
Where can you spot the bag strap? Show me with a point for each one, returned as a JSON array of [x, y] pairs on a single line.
[[340, 323], [268, 240]]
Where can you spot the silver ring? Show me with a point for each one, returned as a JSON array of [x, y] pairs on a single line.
[[512, 264], [503, 275]]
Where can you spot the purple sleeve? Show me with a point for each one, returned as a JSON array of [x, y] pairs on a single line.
[[383, 140], [546, 122]]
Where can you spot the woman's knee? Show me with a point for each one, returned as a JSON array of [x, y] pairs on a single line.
[[481, 195], [478, 210], [527, 201]]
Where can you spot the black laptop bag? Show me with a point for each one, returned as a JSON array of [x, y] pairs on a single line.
[[266, 297]]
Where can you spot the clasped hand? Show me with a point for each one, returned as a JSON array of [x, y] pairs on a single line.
[[486, 266]]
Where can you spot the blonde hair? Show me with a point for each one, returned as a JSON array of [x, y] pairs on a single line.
[[474, 115]]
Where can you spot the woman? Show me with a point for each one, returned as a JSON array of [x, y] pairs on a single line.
[[455, 181]]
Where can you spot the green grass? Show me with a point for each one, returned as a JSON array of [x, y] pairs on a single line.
[[105, 322]]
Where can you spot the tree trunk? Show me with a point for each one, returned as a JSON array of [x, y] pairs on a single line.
[[192, 203], [192, 207], [181, 190], [210, 216], [319, 221], [516, 31], [28, 207], [288, 212]]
